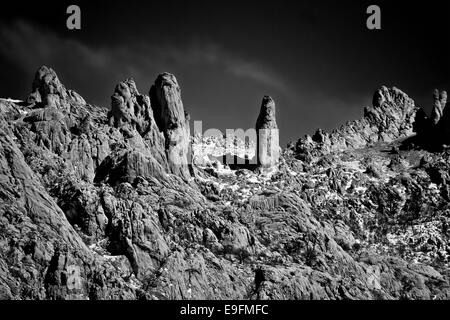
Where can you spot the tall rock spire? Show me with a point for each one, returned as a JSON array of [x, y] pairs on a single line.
[[172, 120], [440, 100], [268, 147]]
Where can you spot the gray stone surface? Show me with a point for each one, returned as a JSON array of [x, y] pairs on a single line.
[[268, 145], [95, 205]]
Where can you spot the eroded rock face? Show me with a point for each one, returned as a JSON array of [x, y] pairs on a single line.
[[268, 147], [432, 131], [41, 255], [89, 210], [127, 165], [128, 107], [48, 90], [394, 117], [442, 125], [391, 117], [440, 101], [172, 120]]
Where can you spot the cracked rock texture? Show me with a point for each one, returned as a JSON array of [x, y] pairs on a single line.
[[104, 204], [172, 121], [268, 146], [440, 100], [391, 117]]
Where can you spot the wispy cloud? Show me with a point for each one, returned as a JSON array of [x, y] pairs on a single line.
[[29, 46], [231, 63]]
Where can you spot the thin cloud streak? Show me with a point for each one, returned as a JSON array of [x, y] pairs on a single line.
[[28, 46]]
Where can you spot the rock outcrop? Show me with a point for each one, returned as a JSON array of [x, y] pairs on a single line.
[[41, 255], [128, 107], [440, 100], [90, 210], [268, 147], [432, 132], [48, 91], [172, 120], [391, 117], [442, 126]]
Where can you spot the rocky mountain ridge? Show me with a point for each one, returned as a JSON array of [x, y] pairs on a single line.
[[106, 204]]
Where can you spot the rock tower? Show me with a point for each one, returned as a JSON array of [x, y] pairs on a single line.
[[268, 147], [165, 96]]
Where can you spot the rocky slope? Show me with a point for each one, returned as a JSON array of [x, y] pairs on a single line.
[[98, 204]]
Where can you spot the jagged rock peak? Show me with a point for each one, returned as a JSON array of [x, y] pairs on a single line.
[[391, 117], [129, 108], [47, 82], [165, 96], [48, 90], [393, 113], [127, 89], [267, 115], [391, 97]]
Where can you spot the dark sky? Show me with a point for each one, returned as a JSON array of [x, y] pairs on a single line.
[[316, 58]]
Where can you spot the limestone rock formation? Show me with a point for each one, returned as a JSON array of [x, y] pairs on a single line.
[[268, 147], [41, 255], [170, 116], [440, 100], [90, 210], [391, 117], [129, 107], [432, 132], [394, 116], [443, 130], [48, 90]]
